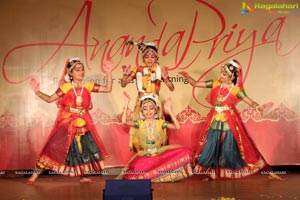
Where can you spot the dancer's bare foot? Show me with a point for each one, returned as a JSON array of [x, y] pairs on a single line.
[[87, 180], [273, 176], [31, 180]]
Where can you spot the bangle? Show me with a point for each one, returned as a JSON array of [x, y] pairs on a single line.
[[187, 78], [257, 108], [124, 77]]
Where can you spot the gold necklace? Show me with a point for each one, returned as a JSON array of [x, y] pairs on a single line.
[[78, 97], [149, 126], [150, 137]]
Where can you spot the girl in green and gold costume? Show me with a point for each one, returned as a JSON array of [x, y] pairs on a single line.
[[155, 160]]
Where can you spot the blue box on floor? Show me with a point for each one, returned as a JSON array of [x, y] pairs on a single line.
[[127, 190]]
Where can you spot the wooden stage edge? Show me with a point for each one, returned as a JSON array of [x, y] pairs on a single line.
[[57, 187]]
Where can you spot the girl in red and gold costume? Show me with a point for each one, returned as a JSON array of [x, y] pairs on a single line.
[[155, 160], [224, 148], [73, 147], [148, 77]]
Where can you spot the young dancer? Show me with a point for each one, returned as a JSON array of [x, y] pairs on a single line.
[[224, 148], [73, 147], [155, 160]]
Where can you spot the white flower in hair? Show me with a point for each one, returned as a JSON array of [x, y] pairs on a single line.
[[152, 97], [233, 63], [150, 44], [67, 78], [73, 59]]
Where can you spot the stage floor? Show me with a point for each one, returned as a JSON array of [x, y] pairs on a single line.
[[55, 187]]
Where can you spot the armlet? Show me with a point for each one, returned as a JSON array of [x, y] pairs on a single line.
[[209, 83], [136, 124], [165, 124], [241, 94], [59, 92], [96, 87]]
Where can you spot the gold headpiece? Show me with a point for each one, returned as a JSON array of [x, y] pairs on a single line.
[[230, 67], [144, 47], [72, 63], [147, 98]]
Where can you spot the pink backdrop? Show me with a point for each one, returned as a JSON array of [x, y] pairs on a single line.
[[268, 132]]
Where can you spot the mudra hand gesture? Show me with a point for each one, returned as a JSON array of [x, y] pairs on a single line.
[[35, 86], [167, 105], [126, 69], [107, 67]]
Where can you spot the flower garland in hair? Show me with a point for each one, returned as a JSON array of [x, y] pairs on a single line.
[[233, 63], [70, 65]]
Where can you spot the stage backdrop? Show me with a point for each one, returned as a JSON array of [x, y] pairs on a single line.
[[37, 37]]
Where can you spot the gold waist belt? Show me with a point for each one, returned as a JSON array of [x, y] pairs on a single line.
[[76, 110], [220, 109]]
